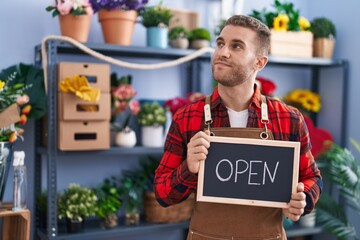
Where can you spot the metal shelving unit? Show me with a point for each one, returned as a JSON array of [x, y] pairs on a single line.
[[54, 49]]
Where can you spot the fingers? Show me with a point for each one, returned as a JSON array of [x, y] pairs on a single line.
[[297, 204], [300, 187], [197, 150]]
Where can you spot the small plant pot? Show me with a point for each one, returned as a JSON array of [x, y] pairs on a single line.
[[199, 43], [182, 43], [152, 136], [110, 221], [126, 138], [132, 218], [308, 220], [73, 226], [157, 37]]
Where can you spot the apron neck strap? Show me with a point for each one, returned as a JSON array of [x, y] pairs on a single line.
[[208, 119]]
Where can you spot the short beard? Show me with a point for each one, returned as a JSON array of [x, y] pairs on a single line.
[[236, 77]]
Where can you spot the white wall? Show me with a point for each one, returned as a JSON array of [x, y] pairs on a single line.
[[23, 24]]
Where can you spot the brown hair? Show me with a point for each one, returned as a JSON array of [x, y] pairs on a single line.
[[261, 29]]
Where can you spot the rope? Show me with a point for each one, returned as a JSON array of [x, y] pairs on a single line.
[[114, 61]]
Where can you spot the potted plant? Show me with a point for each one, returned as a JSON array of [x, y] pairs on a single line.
[[340, 168], [108, 203], [118, 18], [123, 107], [178, 37], [74, 18], [74, 204], [290, 32], [324, 37], [131, 189], [156, 20], [152, 118], [199, 38]]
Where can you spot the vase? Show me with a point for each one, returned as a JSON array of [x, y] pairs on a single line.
[[157, 37], [74, 226], [126, 138], [6, 156], [118, 26], [152, 136], [110, 221], [308, 220], [182, 43], [76, 27]]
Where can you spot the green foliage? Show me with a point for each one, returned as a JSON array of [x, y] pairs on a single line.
[[178, 32], [76, 203], [151, 114], [342, 169], [323, 28], [287, 8], [156, 16], [108, 196], [200, 33], [219, 27], [117, 81], [131, 190], [32, 79]]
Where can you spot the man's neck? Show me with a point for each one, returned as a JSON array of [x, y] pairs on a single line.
[[238, 97]]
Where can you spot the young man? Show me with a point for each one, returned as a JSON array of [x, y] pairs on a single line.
[[241, 51]]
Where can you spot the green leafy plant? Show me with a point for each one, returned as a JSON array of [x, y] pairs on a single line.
[[131, 190], [323, 28], [283, 18], [178, 32], [200, 33], [76, 203], [156, 16], [151, 114], [340, 167], [219, 27], [108, 196]]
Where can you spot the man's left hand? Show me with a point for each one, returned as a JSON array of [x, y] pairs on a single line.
[[296, 204]]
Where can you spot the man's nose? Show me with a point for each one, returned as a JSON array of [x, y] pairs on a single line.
[[224, 52]]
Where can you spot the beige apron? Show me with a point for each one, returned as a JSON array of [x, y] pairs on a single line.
[[230, 221]]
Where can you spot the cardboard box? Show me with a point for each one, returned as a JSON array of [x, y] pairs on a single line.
[[97, 74], [291, 44], [83, 135], [185, 18], [15, 224], [74, 108]]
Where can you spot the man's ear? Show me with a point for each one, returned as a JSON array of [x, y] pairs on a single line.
[[261, 62]]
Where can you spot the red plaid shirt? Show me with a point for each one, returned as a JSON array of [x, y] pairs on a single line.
[[174, 182]]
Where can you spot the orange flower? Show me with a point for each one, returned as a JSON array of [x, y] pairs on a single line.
[[23, 119], [26, 109], [12, 137]]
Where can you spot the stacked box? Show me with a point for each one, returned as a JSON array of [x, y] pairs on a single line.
[[84, 125], [291, 44]]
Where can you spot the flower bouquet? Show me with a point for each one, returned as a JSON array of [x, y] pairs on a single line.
[[305, 100], [74, 17]]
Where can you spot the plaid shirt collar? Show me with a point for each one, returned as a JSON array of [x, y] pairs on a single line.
[[255, 100]]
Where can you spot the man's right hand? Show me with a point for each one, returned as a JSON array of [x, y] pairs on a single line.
[[197, 150]]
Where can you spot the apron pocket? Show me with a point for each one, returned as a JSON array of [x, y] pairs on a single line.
[[195, 235]]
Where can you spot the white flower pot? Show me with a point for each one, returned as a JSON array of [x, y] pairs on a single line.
[[152, 136], [126, 138]]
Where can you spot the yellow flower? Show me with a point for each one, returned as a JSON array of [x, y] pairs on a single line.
[[281, 22], [2, 85], [304, 99], [304, 24]]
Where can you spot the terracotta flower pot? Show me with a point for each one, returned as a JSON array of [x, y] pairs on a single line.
[[118, 26], [76, 27]]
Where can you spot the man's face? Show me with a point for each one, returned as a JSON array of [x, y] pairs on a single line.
[[234, 60]]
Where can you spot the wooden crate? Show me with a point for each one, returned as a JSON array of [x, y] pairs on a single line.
[[291, 44], [185, 18], [15, 225]]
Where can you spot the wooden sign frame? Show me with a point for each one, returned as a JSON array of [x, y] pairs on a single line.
[[252, 202]]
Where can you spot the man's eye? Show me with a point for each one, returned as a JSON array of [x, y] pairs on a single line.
[[219, 44], [237, 46]]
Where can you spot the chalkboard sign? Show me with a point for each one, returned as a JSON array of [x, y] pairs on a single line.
[[249, 172]]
